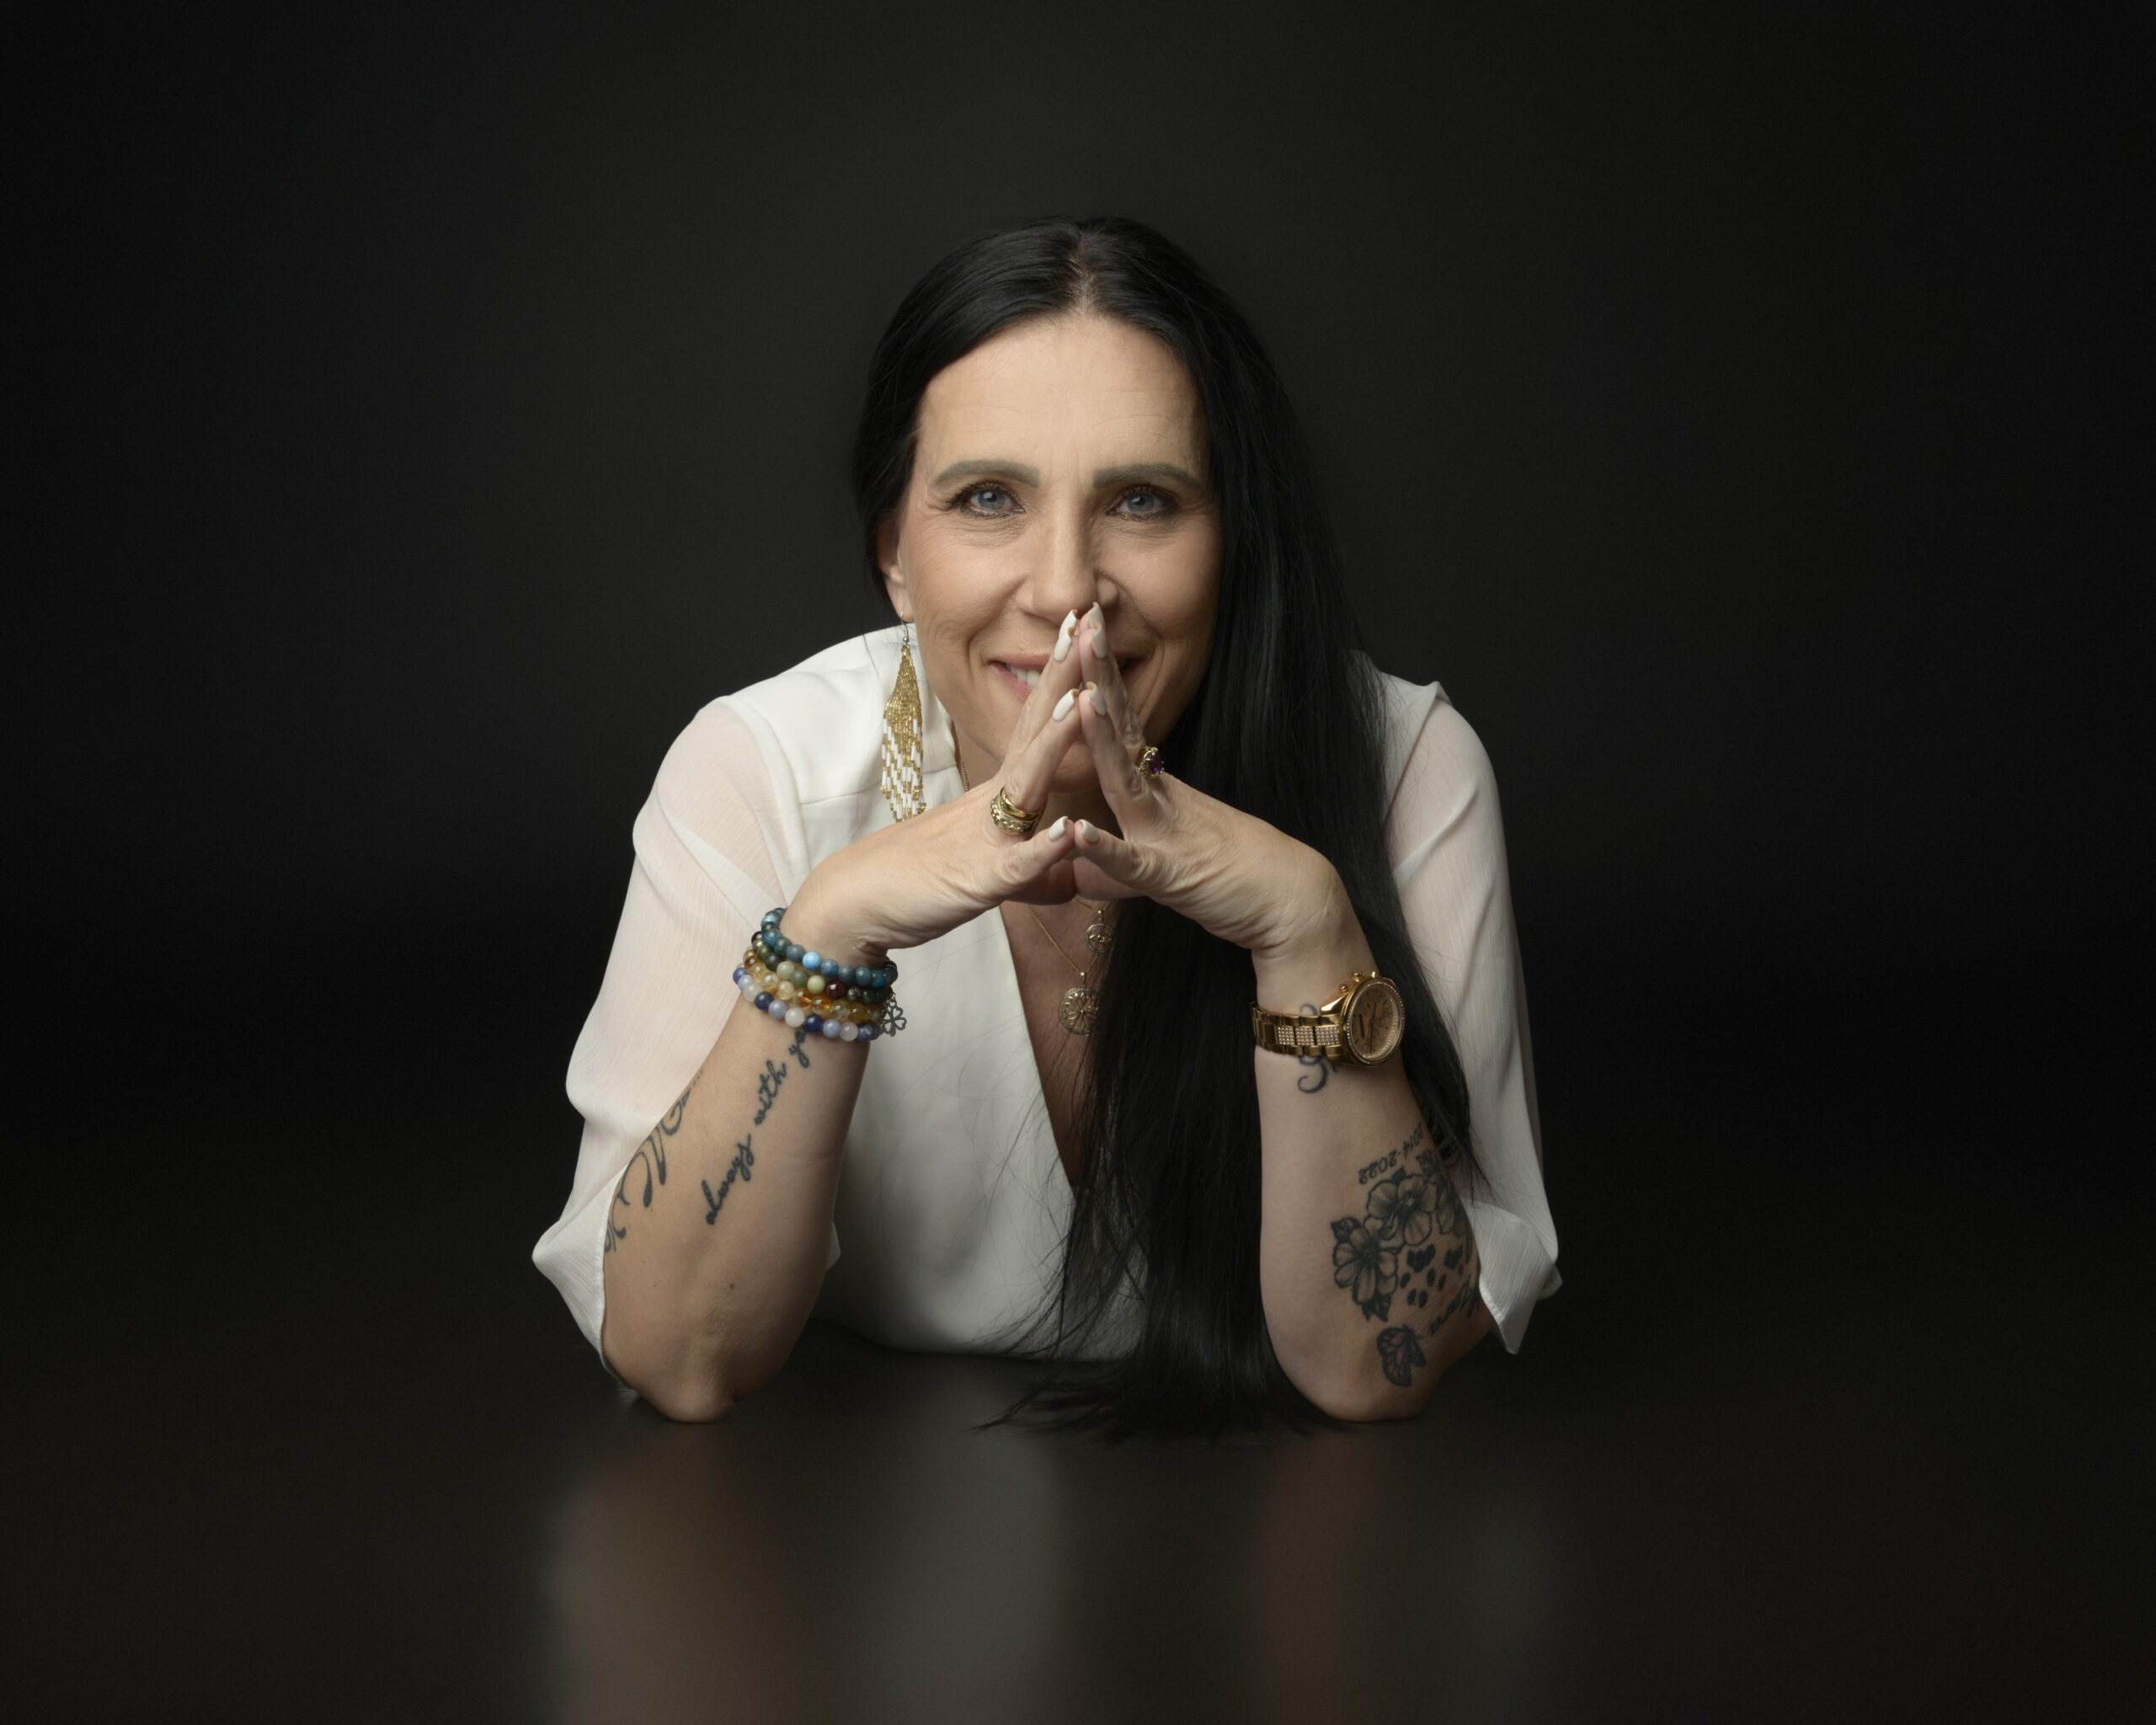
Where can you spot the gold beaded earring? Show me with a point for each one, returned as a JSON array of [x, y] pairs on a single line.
[[902, 754]]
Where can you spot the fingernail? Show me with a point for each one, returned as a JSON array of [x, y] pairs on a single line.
[[1061, 821], [1099, 622], [1063, 706], [1063, 638], [1088, 833]]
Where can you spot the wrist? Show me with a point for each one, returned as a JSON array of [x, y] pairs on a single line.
[[821, 915], [810, 990], [1316, 940]]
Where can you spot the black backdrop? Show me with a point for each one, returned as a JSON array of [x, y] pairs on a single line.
[[425, 411], [422, 411]]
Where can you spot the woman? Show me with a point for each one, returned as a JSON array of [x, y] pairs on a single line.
[[1211, 1085]]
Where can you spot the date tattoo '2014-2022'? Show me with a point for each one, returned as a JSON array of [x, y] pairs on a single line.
[[1391, 1251]]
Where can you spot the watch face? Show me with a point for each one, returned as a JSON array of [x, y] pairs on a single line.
[[1374, 1020]]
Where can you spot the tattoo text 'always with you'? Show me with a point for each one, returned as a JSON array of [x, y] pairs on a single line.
[[651, 1154]]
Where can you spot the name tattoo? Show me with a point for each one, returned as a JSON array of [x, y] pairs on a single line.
[[652, 1153]]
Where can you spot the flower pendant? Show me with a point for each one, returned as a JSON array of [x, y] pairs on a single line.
[[1079, 1006]]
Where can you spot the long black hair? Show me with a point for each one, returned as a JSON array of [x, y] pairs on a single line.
[[1287, 724]]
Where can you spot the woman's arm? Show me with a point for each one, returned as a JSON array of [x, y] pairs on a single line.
[[1366, 1260], [717, 1228], [1366, 1263]]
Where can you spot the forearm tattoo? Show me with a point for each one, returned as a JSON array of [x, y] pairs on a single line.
[[1411, 1243], [743, 1165], [652, 1152]]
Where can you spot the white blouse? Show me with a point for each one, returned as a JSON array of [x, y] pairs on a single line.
[[953, 1202]]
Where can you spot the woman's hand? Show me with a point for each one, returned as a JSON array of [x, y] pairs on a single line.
[[1233, 875], [905, 884]]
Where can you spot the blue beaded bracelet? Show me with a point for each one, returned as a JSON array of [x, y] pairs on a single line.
[[779, 977], [815, 963]]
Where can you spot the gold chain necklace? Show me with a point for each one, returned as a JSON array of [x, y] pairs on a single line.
[[1081, 1003]]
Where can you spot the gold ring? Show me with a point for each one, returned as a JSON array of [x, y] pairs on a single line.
[[1149, 762], [1008, 815]]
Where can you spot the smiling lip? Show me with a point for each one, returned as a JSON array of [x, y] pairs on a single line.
[[1011, 666]]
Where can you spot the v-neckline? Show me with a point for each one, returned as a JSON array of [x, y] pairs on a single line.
[[1018, 993]]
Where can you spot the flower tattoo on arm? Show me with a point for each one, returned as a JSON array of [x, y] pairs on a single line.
[[1392, 1251]]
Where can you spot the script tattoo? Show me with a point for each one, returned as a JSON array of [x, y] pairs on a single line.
[[1391, 1251], [652, 1153], [767, 1089], [1313, 1080], [743, 1165], [744, 1159]]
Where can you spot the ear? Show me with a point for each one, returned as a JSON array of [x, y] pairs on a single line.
[[894, 578]]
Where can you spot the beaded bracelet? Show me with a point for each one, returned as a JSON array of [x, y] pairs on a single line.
[[804, 989]]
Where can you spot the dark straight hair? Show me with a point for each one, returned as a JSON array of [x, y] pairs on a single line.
[[1286, 724]]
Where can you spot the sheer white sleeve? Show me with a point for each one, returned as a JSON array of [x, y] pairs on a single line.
[[1447, 841], [704, 877]]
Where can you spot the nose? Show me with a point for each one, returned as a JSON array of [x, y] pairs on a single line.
[[1067, 576]]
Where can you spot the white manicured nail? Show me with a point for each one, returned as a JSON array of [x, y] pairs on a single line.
[[1063, 638], [1063, 706], [1099, 622], [1061, 822], [1088, 834]]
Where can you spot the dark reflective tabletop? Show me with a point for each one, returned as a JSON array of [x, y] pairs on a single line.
[[339, 1460]]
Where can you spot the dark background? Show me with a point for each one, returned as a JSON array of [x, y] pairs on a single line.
[[421, 413]]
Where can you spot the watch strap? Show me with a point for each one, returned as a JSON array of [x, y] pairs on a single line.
[[1297, 1034]]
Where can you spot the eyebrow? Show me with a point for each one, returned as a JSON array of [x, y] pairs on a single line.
[[1103, 478], [1106, 477], [1013, 470]]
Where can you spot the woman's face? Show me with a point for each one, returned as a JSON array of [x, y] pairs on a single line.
[[1060, 464]]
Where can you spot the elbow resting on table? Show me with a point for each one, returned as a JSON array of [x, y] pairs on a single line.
[[1348, 1390], [688, 1397], [694, 1385], [1360, 1402]]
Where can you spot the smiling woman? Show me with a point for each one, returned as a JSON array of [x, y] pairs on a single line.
[[1273, 1150], [1057, 467]]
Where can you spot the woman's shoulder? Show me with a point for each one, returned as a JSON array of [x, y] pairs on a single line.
[[1407, 709], [792, 766], [825, 717], [815, 729], [1436, 771]]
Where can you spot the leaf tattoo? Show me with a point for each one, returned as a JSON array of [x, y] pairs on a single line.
[[1399, 1353]]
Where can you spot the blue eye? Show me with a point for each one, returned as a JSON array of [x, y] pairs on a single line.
[[988, 500], [1144, 506]]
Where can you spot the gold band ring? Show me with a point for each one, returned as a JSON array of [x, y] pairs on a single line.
[[1008, 815]]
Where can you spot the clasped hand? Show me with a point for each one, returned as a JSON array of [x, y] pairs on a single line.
[[1235, 876]]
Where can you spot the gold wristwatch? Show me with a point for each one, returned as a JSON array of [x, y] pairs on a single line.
[[1363, 1024]]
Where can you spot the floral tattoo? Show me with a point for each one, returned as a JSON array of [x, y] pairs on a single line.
[[1392, 1251]]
